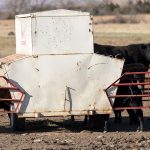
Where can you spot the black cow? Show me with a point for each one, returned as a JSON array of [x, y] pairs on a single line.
[[97, 120], [136, 115], [136, 67], [5, 94], [135, 53], [107, 50]]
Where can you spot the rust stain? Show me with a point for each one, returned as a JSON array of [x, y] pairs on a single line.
[[35, 56], [12, 58]]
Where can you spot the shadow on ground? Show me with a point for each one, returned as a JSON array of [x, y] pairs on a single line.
[[58, 124]]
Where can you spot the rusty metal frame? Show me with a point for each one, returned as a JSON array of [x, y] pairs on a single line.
[[16, 89], [128, 96]]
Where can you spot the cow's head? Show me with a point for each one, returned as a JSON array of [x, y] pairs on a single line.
[[145, 46], [145, 52]]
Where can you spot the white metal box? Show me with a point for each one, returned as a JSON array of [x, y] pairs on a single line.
[[54, 32]]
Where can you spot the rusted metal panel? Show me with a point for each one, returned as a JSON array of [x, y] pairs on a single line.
[[54, 32], [64, 84]]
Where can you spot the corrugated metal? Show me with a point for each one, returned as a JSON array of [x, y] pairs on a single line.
[[64, 84]]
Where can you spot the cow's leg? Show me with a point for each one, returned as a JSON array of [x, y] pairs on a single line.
[[85, 120], [118, 117], [132, 117], [99, 121], [106, 118], [139, 113], [140, 119], [5, 105], [89, 119], [72, 118]]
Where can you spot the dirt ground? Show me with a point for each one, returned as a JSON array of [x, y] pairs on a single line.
[[62, 133]]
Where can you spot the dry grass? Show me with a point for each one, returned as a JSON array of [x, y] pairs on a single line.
[[7, 43], [112, 19], [7, 46], [114, 34], [6, 26], [121, 34]]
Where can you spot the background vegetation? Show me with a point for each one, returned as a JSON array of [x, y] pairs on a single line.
[[14, 7]]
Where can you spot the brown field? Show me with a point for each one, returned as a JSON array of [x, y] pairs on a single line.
[[61, 133], [107, 19], [121, 34], [7, 43]]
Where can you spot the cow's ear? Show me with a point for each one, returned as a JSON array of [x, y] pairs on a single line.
[[143, 46], [119, 56], [149, 46]]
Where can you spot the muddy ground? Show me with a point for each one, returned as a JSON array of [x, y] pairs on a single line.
[[62, 133]]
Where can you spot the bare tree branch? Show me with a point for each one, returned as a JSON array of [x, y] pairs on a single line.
[[18, 6]]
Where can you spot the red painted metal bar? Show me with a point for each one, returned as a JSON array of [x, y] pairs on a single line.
[[110, 97], [132, 73], [21, 98], [113, 83], [124, 96], [13, 100], [12, 84], [13, 87], [122, 108], [129, 84], [9, 88]]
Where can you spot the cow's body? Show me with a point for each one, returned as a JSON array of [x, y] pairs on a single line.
[[5, 94], [135, 53], [137, 58], [136, 115]]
